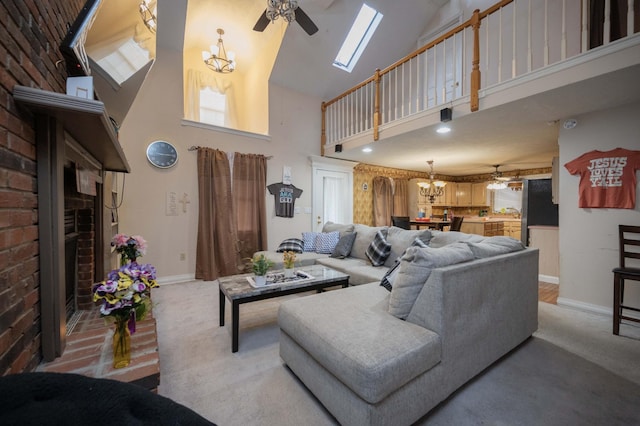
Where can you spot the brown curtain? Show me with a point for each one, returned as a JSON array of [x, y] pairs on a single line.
[[216, 250], [401, 197], [382, 201], [249, 199]]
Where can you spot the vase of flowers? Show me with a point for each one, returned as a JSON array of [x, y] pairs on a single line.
[[289, 260], [125, 297], [129, 247], [260, 266]]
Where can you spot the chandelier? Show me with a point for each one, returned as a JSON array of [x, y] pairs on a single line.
[[433, 188], [148, 12], [284, 8], [217, 58]]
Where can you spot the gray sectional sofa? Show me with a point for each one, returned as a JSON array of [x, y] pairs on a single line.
[[377, 357]]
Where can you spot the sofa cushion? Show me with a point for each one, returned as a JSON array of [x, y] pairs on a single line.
[[343, 248], [342, 229], [441, 239], [350, 334], [493, 246], [415, 267], [327, 241], [379, 250], [400, 239], [390, 276], [365, 235], [309, 241], [295, 245], [359, 271]]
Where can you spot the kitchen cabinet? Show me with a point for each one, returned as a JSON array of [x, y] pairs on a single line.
[[512, 229], [487, 229], [450, 194], [463, 194], [479, 194]]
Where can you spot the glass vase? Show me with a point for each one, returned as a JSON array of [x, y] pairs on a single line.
[[121, 344]]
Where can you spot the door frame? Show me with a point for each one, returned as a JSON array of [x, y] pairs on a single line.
[[322, 164]]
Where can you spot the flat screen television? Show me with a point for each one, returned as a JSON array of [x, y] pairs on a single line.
[[73, 44]]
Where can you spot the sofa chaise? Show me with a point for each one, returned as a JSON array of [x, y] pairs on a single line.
[[387, 355]]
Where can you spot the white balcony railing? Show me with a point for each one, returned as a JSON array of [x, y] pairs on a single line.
[[510, 39]]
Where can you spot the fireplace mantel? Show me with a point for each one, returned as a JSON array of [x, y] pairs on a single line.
[[85, 119]]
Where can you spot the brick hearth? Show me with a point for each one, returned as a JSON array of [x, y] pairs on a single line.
[[88, 352]]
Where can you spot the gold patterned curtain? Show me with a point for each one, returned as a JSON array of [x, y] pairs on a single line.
[[382, 201], [217, 248]]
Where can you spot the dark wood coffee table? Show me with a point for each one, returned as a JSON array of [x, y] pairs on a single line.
[[238, 290]]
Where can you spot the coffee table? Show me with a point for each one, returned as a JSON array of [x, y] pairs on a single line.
[[239, 290]]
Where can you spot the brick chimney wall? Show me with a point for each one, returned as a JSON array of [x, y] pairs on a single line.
[[30, 33]]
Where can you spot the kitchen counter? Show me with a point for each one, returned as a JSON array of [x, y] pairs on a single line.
[[492, 226]]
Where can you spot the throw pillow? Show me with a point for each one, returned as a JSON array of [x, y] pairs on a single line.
[[390, 276], [493, 246], [343, 229], [415, 268], [343, 248], [309, 241], [295, 245], [378, 250], [419, 243], [326, 242]]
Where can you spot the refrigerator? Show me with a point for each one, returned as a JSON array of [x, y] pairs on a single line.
[[537, 206]]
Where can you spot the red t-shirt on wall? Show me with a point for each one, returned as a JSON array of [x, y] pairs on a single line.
[[607, 179]]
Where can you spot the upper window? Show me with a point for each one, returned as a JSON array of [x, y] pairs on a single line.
[[122, 60], [361, 32], [212, 107]]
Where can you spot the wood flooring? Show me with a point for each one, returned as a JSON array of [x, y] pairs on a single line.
[[548, 293]]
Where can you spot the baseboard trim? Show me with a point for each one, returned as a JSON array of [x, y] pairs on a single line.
[[176, 279], [583, 306], [548, 279]]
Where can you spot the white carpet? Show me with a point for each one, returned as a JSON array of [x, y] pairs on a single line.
[[573, 371]]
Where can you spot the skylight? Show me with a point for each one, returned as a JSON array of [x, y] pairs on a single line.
[[121, 61], [361, 32]]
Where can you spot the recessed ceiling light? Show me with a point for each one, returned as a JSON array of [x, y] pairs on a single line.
[[367, 149], [443, 129], [570, 123]]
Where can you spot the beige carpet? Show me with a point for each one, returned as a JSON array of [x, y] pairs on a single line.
[[573, 371]]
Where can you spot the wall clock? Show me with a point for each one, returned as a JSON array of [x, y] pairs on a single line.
[[162, 154]]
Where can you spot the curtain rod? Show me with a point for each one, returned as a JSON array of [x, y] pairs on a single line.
[[195, 148]]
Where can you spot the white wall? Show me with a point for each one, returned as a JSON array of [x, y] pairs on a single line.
[[157, 114], [589, 237]]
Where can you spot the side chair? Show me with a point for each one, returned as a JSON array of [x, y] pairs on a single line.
[[629, 241], [401, 222]]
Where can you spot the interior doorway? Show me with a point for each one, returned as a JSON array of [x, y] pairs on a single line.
[[332, 192]]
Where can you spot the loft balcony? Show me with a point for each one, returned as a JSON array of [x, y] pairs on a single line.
[[520, 66]]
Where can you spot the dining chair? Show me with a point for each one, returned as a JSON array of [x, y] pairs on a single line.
[[629, 269], [401, 222], [456, 223]]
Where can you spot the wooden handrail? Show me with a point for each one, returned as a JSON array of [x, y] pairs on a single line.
[[473, 22]]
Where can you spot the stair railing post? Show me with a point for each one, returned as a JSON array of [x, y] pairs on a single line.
[[376, 106], [323, 131], [475, 69]]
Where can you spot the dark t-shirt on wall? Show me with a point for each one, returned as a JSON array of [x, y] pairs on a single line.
[[285, 197]]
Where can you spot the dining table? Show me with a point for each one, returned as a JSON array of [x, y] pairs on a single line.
[[430, 224]]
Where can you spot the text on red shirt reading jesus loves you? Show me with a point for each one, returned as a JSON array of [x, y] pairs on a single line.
[[607, 172]]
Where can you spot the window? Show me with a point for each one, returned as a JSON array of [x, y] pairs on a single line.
[[122, 61], [361, 32], [212, 107]]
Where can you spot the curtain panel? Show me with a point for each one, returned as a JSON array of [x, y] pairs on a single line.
[[400, 197], [382, 201], [249, 198], [216, 248], [197, 81]]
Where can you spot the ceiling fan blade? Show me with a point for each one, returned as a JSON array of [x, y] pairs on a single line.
[[262, 23], [305, 22]]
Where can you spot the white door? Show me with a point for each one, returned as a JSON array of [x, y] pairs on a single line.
[[332, 195]]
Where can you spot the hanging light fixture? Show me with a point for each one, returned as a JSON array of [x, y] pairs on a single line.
[[284, 8], [148, 12], [217, 58], [496, 180], [433, 188]]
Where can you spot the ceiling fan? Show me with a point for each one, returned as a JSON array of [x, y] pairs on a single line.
[[498, 181], [289, 11]]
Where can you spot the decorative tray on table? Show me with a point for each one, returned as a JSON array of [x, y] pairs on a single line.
[[278, 278]]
